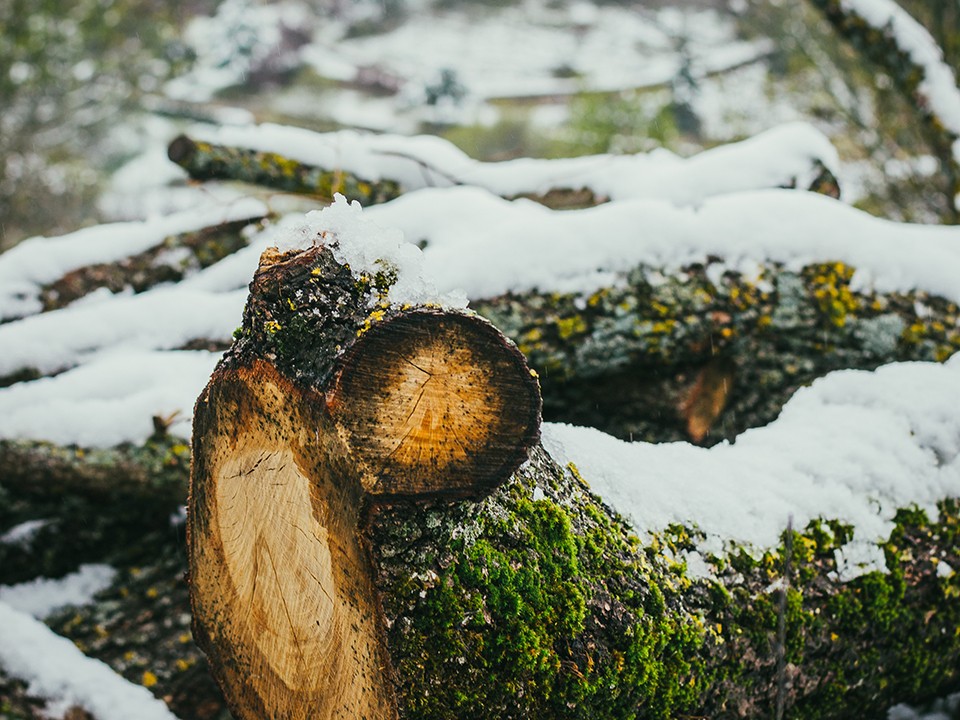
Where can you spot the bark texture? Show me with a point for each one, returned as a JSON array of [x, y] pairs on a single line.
[[532, 599], [539, 601], [206, 161], [707, 352]]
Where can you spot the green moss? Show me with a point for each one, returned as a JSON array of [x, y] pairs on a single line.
[[552, 609], [546, 615]]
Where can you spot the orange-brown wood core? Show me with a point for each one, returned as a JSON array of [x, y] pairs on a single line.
[[436, 403]]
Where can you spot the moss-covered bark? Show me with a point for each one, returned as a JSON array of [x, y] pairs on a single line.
[[881, 47], [540, 602], [206, 161], [704, 353]]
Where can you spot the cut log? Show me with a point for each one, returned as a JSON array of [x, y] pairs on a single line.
[[321, 409], [536, 601]]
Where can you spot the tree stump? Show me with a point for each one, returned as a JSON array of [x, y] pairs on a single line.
[[329, 404]]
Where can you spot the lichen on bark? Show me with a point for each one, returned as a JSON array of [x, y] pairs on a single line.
[[540, 602], [629, 358], [207, 161]]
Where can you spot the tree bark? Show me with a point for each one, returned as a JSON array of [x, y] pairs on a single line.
[[177, 257], [702, 355], [537, 601], [206, 161], [506, 594]]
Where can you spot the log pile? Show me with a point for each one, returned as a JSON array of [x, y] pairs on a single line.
[[375, 530]]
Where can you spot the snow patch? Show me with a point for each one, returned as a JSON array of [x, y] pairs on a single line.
[[40, 597], [368, 248], [24, 533], [110, 400], [784, 155], [855, 446], [55, 669], [486, 245], [25, 268]]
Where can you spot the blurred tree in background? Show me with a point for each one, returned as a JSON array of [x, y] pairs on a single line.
[[67, 72], [74, 78]]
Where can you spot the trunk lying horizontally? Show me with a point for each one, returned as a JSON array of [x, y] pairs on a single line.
[[895, 51], [360, 546], [205, 160]]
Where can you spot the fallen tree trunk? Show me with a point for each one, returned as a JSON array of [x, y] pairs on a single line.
[[705, 352], [206, 161], [537, 601], [603, 642]]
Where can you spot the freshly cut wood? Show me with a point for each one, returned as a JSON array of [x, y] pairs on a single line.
[[292, 444]]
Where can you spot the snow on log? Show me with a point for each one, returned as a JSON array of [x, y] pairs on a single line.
[[45, 273], [633, 299], [377, 168], [904, 49], [335, 396], [58, 671]]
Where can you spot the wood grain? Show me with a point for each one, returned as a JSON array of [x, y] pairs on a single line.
[[281, 588], [434, 403]]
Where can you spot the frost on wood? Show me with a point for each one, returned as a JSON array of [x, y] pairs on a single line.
[[330, 401]]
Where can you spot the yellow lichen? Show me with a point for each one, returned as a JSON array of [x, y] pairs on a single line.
[[831, 289], [373, 317], [575, 471], [570, 326]]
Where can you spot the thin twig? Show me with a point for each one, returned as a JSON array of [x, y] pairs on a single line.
[[782, 623]]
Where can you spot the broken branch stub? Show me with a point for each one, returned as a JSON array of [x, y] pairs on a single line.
[[321, 407]]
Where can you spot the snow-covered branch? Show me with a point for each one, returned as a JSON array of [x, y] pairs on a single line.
[[886, 34], [376, 168]]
